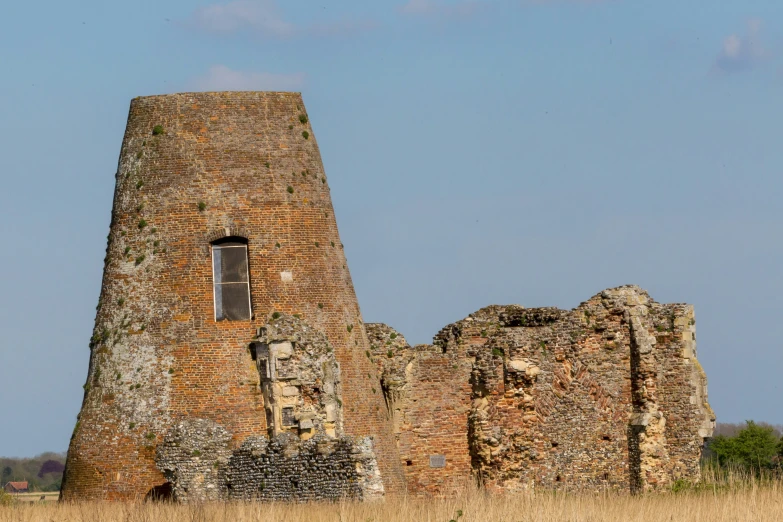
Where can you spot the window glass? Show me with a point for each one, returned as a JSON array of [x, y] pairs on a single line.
[[231, 281]]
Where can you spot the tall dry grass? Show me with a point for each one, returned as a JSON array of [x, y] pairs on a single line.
[[729, 498]]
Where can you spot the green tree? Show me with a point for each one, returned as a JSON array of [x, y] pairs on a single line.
[[753, 448]]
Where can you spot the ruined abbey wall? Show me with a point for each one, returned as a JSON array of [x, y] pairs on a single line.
[[608, 395], [194, 168]]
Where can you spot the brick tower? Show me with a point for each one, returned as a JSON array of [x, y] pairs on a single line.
[[224, 245]]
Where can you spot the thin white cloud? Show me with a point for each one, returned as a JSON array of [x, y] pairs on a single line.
[[741, 52], [260, 16], [265, 18], [223, 78], [430, 7]]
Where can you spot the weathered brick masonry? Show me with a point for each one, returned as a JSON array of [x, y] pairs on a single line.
[[221, 164], [302, 401], [608, 395]]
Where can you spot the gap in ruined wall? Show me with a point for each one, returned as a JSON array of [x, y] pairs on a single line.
[[388, 397], [634, 433], [634, 458]]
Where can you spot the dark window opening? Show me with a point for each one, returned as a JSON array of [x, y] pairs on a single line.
[[409, 463], [606, 437], [231, 279], [288, 417], [606, 476], [555, 444], [558, 479]]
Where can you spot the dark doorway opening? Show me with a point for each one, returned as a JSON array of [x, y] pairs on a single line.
[[161, 493]]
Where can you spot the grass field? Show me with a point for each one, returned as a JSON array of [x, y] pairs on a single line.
[[751, 503]]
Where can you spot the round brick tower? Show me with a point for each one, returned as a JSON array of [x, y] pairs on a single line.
[[221, 217]]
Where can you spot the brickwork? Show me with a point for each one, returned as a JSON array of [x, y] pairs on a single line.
[[193, 168], [428, 395], [606, 396]]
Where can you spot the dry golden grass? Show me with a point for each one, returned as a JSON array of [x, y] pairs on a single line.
[[724, 496], [752, 502]]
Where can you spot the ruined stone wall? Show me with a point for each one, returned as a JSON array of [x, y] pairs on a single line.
[[194, 168], [608, 395]]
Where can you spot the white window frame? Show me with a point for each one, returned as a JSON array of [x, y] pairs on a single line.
[[214, 283]]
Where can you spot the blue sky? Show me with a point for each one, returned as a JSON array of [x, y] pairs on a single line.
[[531, 152]]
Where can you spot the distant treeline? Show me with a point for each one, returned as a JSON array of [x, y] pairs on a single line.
[[42, 473], [731, 429], [752, 447]]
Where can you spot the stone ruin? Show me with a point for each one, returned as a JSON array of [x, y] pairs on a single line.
[[606, 396], [230, 360]]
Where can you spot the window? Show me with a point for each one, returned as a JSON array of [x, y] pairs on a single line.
[[231, 281]]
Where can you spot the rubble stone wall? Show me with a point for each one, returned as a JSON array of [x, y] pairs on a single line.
[[197, 461], [606, 396]]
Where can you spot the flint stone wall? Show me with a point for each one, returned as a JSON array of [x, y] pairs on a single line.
[[197, 460]]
